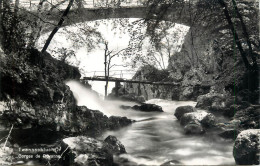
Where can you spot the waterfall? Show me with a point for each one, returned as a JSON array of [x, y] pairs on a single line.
[[85, 96], [92, 100]]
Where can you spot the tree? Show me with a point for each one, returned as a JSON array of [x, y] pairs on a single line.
[[38, 25], [252, 68], [108, 56], [236, 37], [154, 50]]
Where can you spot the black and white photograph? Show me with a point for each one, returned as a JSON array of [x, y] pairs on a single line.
[[129, 82]]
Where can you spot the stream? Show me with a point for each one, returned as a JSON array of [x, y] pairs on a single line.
[[157, 138]]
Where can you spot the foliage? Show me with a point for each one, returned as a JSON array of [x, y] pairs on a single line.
[[144, 49], [13, 29], [150, 73], [65, 55], [205, 19]]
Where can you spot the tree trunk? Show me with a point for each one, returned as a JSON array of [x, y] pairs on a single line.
[[1, 28], [245, 34], [55, 30], [231, 26], [105, 63]]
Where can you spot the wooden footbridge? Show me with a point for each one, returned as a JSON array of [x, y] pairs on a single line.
[[119, 80]]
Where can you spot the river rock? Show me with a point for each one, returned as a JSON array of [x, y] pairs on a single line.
[[211, 99], [114, 145], [229, 134], [192, 117], [116, 122], [6, 154], [148, 108], [84, 151], [249, 117], [144, 108], [194, 128], [209, 120], [180, 111], [246, 149]]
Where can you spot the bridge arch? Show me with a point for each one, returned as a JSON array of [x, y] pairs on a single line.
[[174, 13]]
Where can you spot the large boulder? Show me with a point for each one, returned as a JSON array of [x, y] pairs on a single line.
[[197, 122], [114, 145], [246, 149], [82, 151], [6, 154], [180, 111], [211, 99]]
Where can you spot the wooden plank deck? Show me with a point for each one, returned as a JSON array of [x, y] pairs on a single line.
[[113, 79]]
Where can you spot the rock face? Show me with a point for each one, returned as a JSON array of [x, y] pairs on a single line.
[[180, 111], [180, 92], [126, 97], [144, 108], [246, 149]]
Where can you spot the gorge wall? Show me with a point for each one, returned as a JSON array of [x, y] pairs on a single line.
[[208, 58]]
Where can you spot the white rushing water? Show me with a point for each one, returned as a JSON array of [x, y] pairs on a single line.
[[159, 138]]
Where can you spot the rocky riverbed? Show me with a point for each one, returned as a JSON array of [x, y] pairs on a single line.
[[42, 123]]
